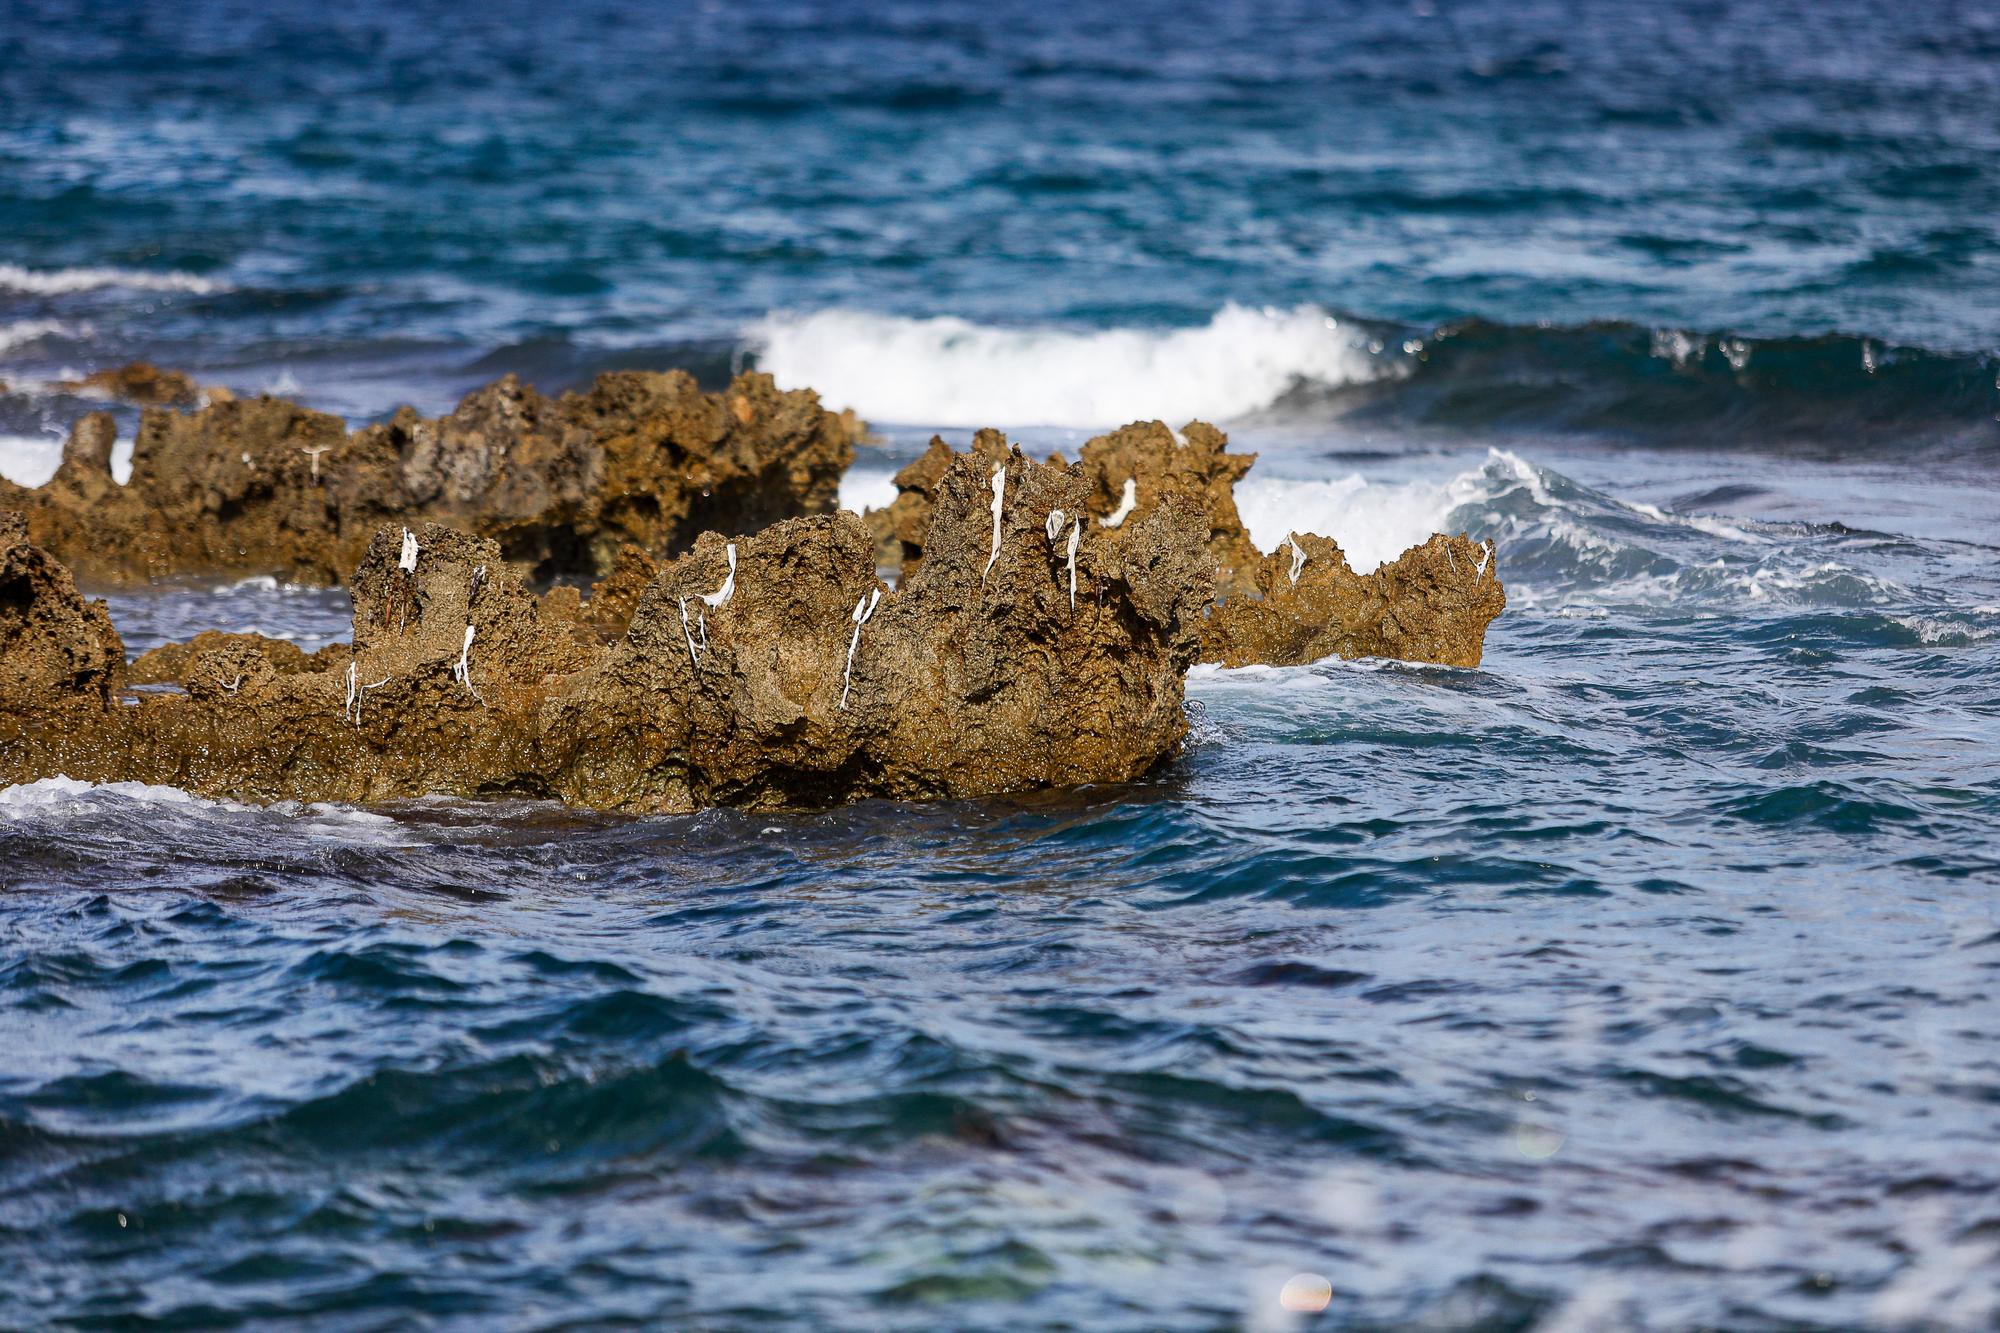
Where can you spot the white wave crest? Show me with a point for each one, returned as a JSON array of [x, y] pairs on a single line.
[[29, 460], [60, 791], [1374, 522], [951, 372], [24, 331], [56, 282]]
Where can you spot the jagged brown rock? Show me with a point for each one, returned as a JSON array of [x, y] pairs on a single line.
[[793, 679], [1158, 463], [900, 525], [170, 663], [1432, 604], [262, 485]]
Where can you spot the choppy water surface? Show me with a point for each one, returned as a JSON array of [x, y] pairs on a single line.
[[1643, 978]]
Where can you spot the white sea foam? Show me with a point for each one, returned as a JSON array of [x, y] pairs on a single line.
[[59, 791], [29, 460], [951, 372], [24, 331], [57, 281], [862, 490]]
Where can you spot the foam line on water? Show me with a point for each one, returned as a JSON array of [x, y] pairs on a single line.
[[947, 371], [58, 281]]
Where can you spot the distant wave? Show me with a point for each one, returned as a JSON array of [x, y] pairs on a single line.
[[1308, 365], [951, 372], [1669, 385], [55, 282]]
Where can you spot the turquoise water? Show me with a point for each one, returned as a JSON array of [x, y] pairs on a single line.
[[1642, 978]]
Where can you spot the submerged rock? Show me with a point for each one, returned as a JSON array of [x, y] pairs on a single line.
[[262, 485], [775, 669]]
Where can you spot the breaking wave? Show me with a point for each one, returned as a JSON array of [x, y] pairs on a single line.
[[1308, 364], [948, 371]]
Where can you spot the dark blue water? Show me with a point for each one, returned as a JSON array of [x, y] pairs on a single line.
[[1646, 977]]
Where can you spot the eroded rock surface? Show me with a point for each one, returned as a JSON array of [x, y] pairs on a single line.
[[772, 669], [1432, 604], [262, 485], [170, 663]]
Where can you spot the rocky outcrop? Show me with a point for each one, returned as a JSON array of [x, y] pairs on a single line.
[[1027, 649], [1140, 466], [171, 663], [1130, 472], [1432, 604], [265, 486]]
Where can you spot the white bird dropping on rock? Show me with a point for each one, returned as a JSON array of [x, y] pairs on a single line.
[[863, 609], [408, 560], [462, 673], [1128, 501], [687, 630], [1485, 556], [1298, 556], [1054, 526], [720, 597], [1075, 536], [999, 500]]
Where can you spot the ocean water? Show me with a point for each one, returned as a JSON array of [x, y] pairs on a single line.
[[1644, 978]]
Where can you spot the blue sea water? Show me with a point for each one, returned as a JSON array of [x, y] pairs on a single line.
[[1645, 977]]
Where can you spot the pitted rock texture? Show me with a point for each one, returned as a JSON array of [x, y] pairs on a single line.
[[792, 677], [263, 486], [1195, 464], [56, 649], [170, 663], [899, 527], [1431, 604]]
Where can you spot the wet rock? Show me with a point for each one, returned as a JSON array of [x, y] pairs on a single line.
[[1421, 608], [262, 485], [813, 683], [1432, 604]]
